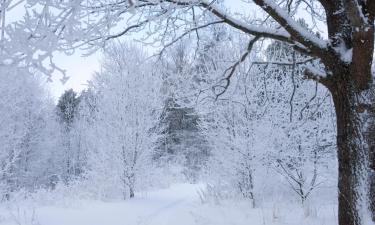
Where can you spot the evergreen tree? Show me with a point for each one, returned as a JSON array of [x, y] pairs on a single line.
[[67, 108], [181, 138]]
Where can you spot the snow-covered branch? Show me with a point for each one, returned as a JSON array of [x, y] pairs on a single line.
[[296, 31], [255, 30], [318, 75]]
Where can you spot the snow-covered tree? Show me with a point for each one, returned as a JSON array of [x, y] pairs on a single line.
[[67, 107], [231, 134], [27, 133], [181, 140], [67, 110], [303, 137], [127, 109]]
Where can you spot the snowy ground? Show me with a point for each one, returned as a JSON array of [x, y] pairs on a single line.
[[177, 205]]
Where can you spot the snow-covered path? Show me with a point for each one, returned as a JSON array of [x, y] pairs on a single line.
[[163, 207], [176, 205]]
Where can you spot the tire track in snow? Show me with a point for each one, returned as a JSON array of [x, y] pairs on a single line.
[[165, 209]]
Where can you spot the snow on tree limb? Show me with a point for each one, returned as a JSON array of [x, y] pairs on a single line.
[[296, 31], [317, 75], [262, 31], [250, 29]]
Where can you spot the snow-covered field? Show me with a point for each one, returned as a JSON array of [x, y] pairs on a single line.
[[179, 204]]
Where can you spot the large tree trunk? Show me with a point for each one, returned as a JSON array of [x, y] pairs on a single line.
[[354, 113]]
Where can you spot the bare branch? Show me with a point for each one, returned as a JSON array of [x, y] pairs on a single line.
[[309, 102], [233, 68], [188, 32]]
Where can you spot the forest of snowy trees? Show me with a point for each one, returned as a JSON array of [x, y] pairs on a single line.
[[145, 123], [270, 106]]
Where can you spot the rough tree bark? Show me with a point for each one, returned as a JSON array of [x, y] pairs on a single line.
[[351, 86], [352, 150]]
